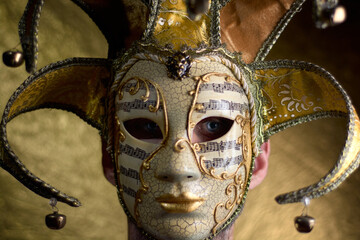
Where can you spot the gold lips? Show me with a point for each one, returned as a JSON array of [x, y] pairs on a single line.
[[186, 202]]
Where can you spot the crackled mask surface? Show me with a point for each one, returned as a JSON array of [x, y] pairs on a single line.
[[184, 148]]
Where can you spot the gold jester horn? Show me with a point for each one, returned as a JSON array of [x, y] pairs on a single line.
[[298, 92]]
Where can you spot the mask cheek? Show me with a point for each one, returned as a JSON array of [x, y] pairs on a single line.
[[131, 156], [223, 155], [228, 197], [226, 162]]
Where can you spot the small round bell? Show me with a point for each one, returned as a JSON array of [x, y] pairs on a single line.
[[328, 14], [304, 224], [55, 221], [13, 58]]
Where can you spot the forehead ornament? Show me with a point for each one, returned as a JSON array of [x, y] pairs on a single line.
[[178, 65]]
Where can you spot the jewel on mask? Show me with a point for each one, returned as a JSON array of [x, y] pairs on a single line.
[[178, 66], [55, 220], [328, 13], [13, 58], [304, 223]]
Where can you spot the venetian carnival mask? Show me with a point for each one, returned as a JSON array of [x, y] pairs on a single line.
[[182, 115], [184, 148]]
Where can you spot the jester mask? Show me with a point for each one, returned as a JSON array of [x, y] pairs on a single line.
[[183, 103]]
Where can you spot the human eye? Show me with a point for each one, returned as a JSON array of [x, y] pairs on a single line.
[[211, 128], [144, 129]]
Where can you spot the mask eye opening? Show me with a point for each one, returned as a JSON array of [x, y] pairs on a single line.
[[211, 128], [144, 129]]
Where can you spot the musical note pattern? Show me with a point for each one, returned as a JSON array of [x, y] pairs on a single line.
[[221, 87], [137, 104], [222, 105], [132, 152], [129, 172], [219, 146], [129, 191], [223, 163]]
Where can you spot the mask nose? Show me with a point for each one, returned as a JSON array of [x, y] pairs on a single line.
[[177, 163]]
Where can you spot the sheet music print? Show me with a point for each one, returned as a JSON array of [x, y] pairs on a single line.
[[221, 87], [132, 152], [223, 163], [129, 172], [129, 191], [219, 146], [222, 105], [137, 104]]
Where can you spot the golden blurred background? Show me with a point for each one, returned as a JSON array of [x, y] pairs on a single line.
[[64, 151]]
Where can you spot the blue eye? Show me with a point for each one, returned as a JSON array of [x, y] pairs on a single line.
[[211, 128]]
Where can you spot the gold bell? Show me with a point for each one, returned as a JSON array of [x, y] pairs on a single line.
[[304, 224], [55, 221], [13, 58]]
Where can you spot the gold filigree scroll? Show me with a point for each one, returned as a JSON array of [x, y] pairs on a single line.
[[235, 190], [238, 187], [160, 100], [121, 133], [135, 89], [243, 121], [178, 147], [119, 137], [244, 139]]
